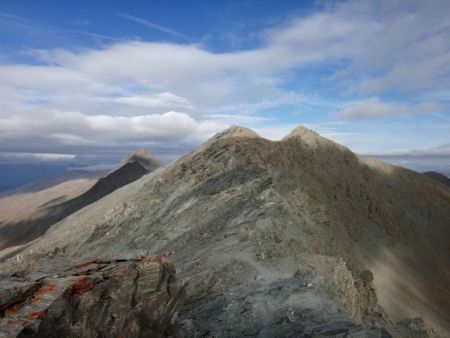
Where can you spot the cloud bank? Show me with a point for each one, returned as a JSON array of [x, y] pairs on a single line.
[[135, 92]]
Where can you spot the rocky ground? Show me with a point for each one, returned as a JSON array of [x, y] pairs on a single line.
[[299, 237]]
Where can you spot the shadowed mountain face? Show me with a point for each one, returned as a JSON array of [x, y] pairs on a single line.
[[16, 232], [438, 177], [298, 238]]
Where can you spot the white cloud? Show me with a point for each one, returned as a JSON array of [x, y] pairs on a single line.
[[374, 108], [440, 150], [53, 157], [405, 51], [408, 52], [373, 38], [74, 128], [119, 94], [161, 100]]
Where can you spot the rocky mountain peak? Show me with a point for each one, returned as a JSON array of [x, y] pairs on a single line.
[[144, 158], [236, 131], [301, 132]]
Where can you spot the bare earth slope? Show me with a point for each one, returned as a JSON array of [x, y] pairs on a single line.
[[49, 182], [297, 238], [20, 205]]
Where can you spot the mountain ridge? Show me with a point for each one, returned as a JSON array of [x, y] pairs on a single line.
[[275, 209]]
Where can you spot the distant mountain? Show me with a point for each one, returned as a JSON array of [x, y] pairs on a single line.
[[420, 163], [32, 224], [293, 238], [144, 158], [13, 176], [438, 177], [21, 203], [48, 182]]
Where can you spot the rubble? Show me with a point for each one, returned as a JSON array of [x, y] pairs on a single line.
[[119, 298]]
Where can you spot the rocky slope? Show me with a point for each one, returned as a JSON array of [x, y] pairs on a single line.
[[33, 222], [298, 237]]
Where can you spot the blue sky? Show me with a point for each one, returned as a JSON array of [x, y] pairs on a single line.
[[88, 81]]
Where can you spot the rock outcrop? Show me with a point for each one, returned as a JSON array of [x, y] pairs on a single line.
[[120, 298]]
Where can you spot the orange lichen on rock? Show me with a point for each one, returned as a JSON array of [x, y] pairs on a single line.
[[47, 288], [50, 305], [82, 286], [36, 315], [12, 309], [33, 300]]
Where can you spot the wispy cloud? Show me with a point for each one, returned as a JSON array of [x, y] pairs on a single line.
[[94, 35], [153, 25], [31, 27], [161, 100], [23, 25], [374, 107], [37, 156]]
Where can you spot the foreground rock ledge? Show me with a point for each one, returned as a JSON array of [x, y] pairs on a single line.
[[121, 298]]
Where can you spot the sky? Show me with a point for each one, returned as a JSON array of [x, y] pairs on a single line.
[[87, 81]]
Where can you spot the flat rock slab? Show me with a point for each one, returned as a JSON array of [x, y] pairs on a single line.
[[118, 298]]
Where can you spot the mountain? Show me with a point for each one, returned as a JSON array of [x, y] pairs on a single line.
[[52, 181], [144, 158], [28, 226], [291, 238], [438, 177], [15, 175]]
